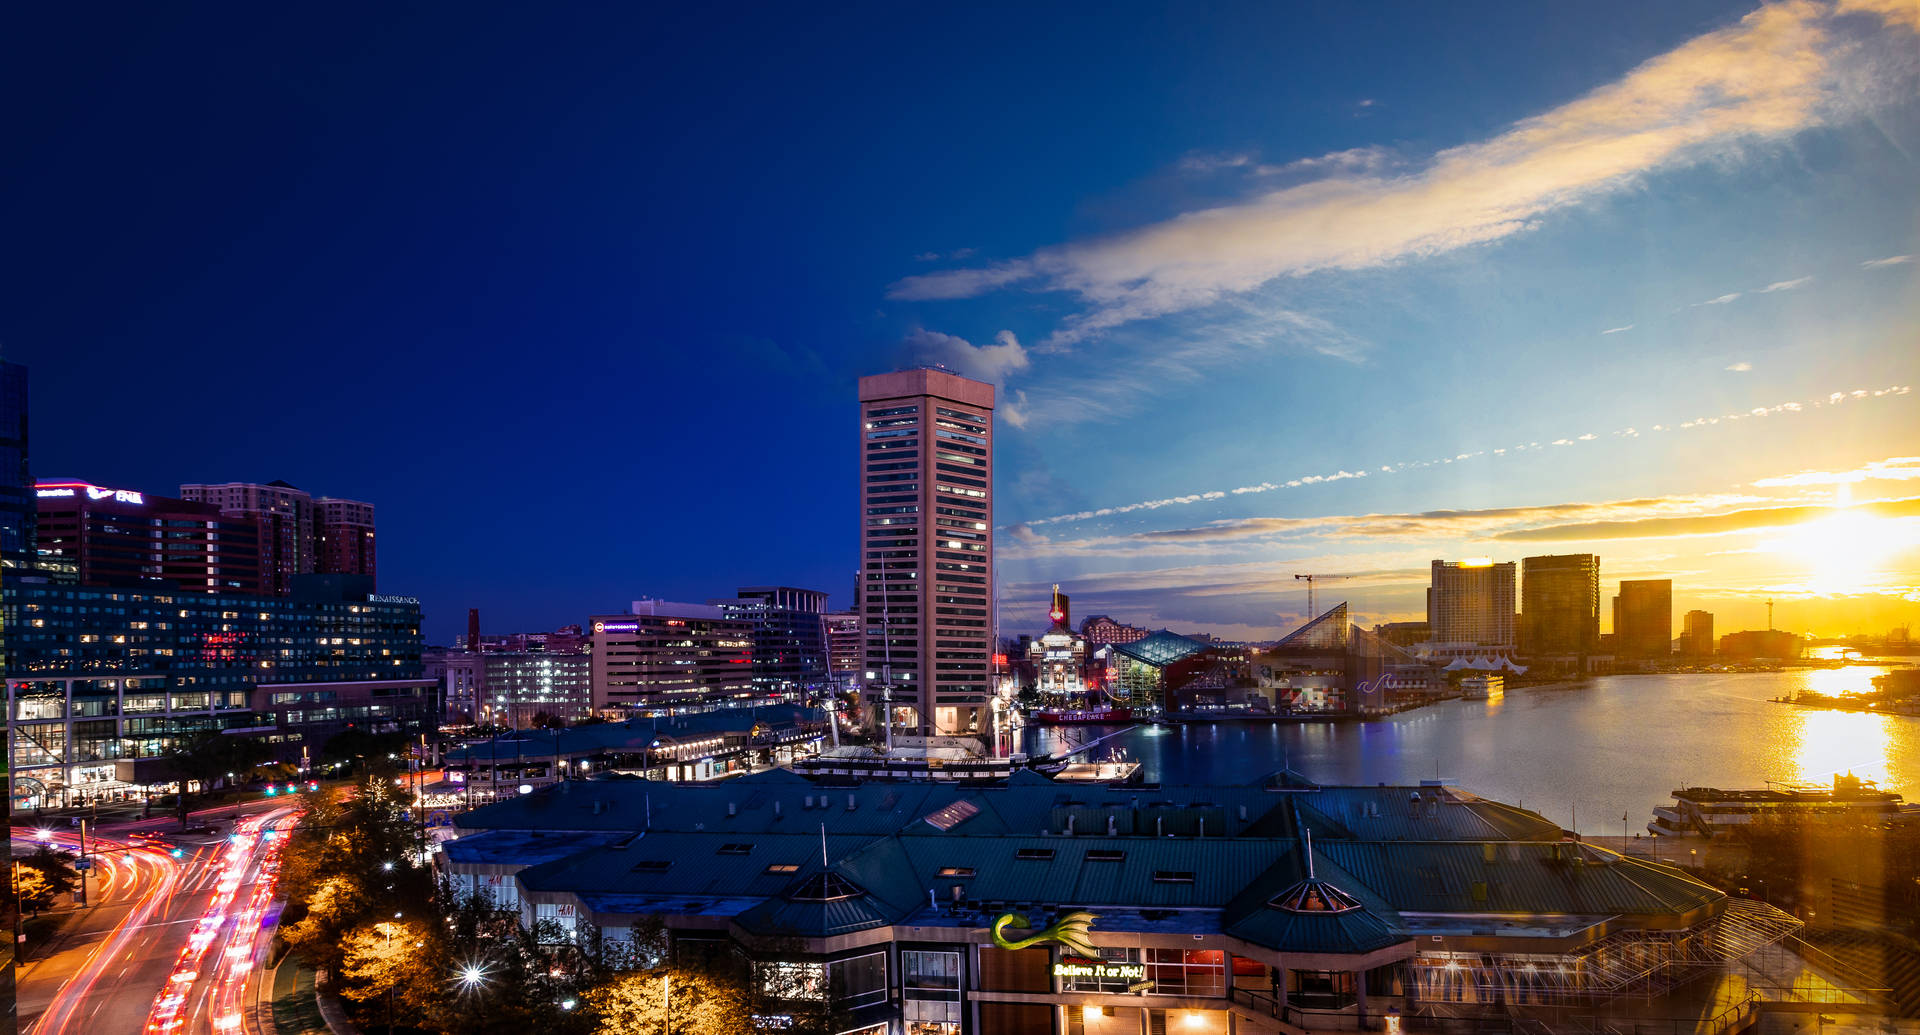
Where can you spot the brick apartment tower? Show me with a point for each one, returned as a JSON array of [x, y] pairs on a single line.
[[926, 548]]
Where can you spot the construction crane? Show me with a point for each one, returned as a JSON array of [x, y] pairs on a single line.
[[1769, 616], [1313, 612]]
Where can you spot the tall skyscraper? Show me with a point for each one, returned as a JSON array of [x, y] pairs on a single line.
[[285, 514], [1471, 603], [926, 547], [17, 506], [1643, 619], [1560, 604], [1696, 634], [343, 537]]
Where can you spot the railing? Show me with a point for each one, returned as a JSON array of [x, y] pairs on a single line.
[[1731, 1019], [1257, 1001]]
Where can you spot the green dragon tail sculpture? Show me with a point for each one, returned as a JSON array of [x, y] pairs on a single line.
[[1070, 931]]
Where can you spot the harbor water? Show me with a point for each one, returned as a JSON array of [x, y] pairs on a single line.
[[1617, 746]]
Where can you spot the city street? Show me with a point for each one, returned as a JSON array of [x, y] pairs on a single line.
[[170, 942]]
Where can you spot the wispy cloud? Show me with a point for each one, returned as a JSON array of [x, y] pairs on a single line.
[[1891, 260], [1786, 285], [990, 363], [1396, 467], [1722, 300], [1765, 77], [1617, 330], [1893, 468], [1707, 524], [1741, 367]]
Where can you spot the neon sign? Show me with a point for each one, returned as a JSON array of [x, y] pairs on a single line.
[[1101, 971], [616, 627], [94, 492]]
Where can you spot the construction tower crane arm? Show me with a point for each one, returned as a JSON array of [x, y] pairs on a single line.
[[1313, 612]]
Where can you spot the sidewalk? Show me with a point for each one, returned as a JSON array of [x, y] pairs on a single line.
[[286, 1002]]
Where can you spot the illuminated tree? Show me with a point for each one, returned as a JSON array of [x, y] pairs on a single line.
[[46, 873]]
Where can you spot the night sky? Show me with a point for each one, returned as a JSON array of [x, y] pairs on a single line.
[[577, 295]]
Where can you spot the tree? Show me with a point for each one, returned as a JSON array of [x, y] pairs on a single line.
[[391, 964], [548, 721], [46, 873], [34, 891], [355, 857]]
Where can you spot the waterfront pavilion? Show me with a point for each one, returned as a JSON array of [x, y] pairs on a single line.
[[923, 908]]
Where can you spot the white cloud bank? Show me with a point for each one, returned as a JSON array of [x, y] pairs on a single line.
[[1766, 76]]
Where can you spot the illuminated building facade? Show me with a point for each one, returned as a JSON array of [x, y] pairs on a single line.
[[1643, 619], [1059, 657], [123, 537], [843, 646], [663, 654], [1470, 603], [343, 537], [102, 681], [299, 535], [789, 635], [1560, 604], [1100, 630], [926, 537]]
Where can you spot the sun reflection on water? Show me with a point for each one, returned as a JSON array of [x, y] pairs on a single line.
[[1827, 743]]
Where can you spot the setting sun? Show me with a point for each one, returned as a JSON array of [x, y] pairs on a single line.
[[1847, 552]]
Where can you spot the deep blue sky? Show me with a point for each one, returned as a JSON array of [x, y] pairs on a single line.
[[577, 295]]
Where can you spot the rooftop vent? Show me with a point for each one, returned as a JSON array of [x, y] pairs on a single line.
[[1034, 854], [735, 848], [1173, 876], [653, 866], [1107, 855]]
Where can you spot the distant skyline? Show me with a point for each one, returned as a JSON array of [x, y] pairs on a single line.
[[579, 302]]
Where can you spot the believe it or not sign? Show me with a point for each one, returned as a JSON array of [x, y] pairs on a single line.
[[1101, 971]]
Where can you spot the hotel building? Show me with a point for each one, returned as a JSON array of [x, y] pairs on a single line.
[[1470, 606], [666, 655], [102, 682], [926, 539]]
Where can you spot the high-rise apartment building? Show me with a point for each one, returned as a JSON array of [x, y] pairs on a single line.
[[123, 537], [926, 548], [285, 514], [1560, 604], [789, 635], [299, 535], [1470, 603], [664, 654], [343, 536], [1643, 619], [1696, 634]]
